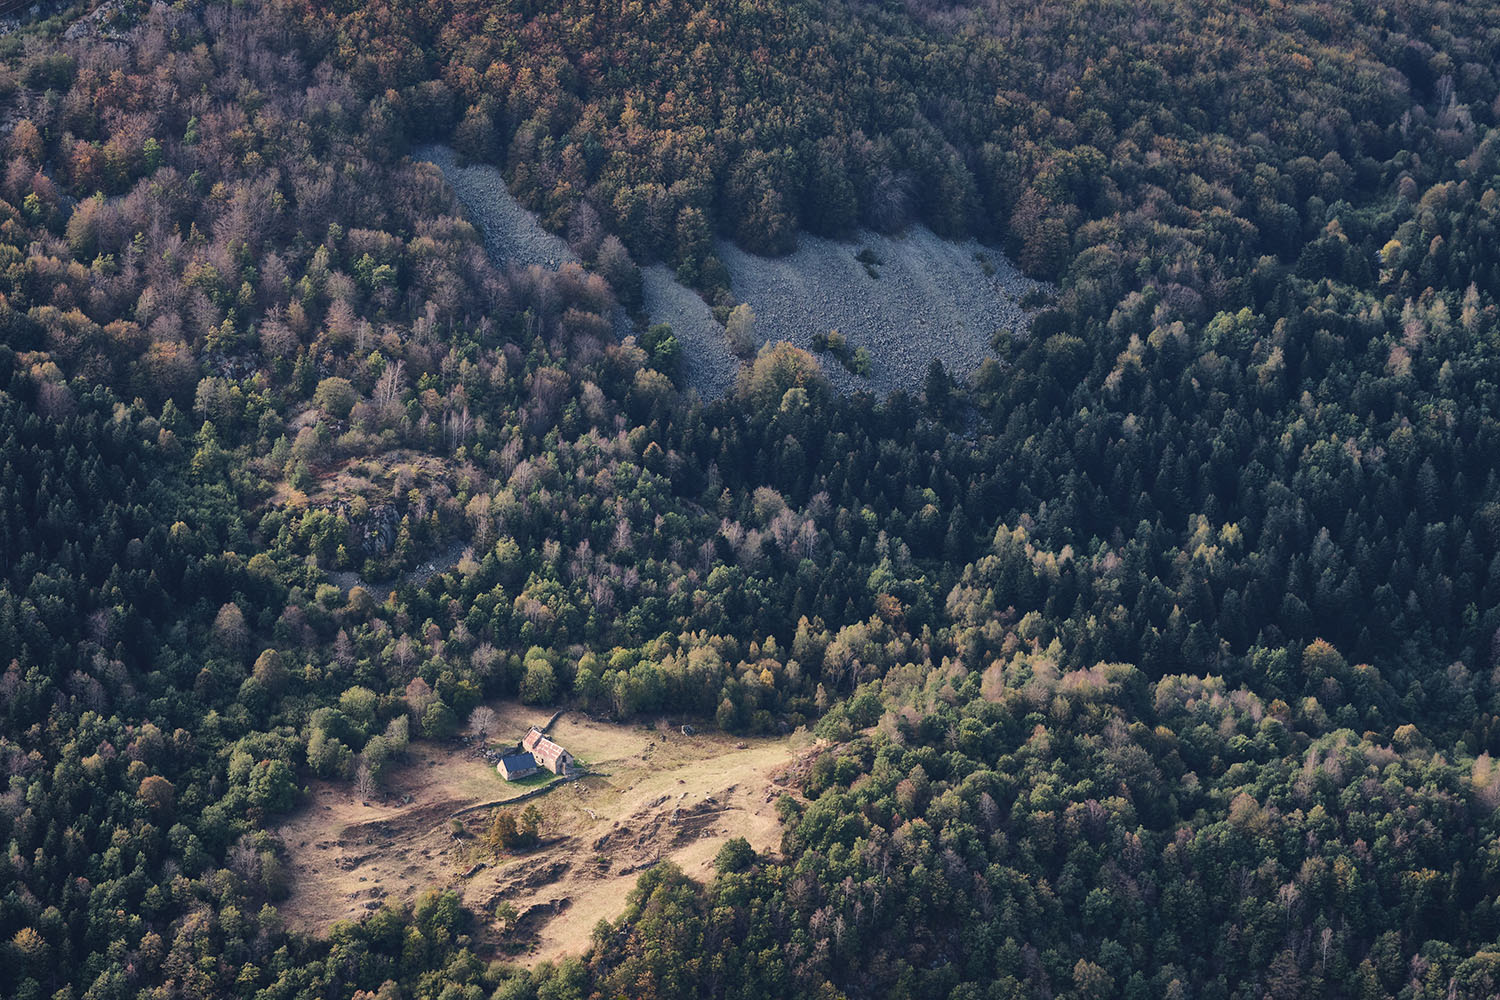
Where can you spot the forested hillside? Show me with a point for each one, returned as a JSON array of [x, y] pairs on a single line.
[[1159, 660]]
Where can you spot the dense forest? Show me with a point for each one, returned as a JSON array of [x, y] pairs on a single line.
[[1160, 659]]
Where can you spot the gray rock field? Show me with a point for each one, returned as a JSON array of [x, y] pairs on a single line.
[[707, 363], [932, 299], [927, 298], [512, 234]]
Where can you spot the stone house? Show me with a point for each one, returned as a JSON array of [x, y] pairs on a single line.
[[548, 754], [515, 766]]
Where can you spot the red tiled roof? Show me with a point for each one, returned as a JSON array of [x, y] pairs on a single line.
[[547, 752]]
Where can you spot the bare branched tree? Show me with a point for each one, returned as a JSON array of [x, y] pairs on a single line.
[[388, 388], [482, 721], [364, 781]]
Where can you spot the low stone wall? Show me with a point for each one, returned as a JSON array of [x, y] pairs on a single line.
[[530, 793]]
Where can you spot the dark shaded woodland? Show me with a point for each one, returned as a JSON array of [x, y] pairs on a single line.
[[1159, 660]]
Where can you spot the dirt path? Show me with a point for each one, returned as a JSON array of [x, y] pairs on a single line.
[[654, 795]]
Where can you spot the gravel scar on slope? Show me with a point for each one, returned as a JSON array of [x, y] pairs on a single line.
[[707, 363], [514, 237], [512, 234], [932, 299]]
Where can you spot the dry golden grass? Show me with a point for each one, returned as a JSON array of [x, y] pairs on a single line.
[[654, 794]]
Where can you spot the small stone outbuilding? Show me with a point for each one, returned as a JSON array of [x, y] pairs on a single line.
[[516, 766]]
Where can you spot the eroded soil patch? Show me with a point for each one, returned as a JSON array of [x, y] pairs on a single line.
[[653, 795]]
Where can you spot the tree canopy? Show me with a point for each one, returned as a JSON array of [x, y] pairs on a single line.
[[1159, 659]]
